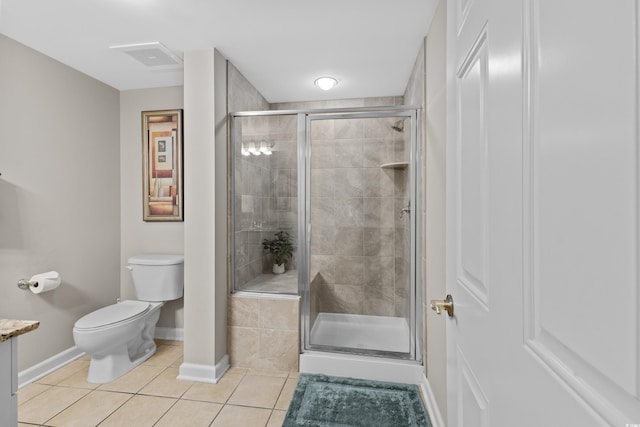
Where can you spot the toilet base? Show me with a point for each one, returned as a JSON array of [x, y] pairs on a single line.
[[106, 367]]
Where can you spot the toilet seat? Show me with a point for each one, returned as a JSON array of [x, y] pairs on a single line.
[[112, 314]]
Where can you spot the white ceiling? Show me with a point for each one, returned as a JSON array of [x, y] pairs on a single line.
[[281, 46]]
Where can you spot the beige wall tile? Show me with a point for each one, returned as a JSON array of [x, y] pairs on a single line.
[[187, 413], [323, 240], [134, 380], [350, 241], [258, 391], [279, 314], [244, 311], [235, 416], [325, 265], [90, 410], [167, 384], [344, 299], [279, 350], [139, 411], [243, 346], [350, 270], [218, 393], [47, 404], [348, 153]]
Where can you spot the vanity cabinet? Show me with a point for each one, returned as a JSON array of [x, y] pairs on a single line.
[[9, 332], [9, 382]]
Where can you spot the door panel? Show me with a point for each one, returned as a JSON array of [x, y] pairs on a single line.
[[473, 192], [583, 229], [543, 189], [473, 405]]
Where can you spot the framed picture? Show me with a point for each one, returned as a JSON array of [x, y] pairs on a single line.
[[162, 165]]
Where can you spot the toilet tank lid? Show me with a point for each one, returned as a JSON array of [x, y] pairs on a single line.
[[156, 259]]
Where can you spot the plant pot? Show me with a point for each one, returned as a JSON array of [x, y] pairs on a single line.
[[278, 268]]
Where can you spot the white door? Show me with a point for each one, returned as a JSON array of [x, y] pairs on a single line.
[[543, 206]]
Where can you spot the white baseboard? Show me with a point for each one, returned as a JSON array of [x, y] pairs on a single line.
[[431, 404], [173, 334], [204, 373], [45, 367]]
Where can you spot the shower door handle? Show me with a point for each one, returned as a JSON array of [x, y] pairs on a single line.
[[403, 211], [446, 305]]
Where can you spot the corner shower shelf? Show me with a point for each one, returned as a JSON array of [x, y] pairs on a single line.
[[395, 165]]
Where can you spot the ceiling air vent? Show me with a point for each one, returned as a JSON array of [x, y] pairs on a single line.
[[152, 54]]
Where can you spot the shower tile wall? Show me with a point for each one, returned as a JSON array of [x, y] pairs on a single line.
[[264, 332], [266, 191], [358, 240], [358, 245], [249, 203], [266, 186]]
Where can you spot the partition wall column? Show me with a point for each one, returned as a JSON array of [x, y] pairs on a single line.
[[205, 288]]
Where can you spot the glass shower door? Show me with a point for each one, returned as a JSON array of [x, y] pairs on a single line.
[[360, 294]]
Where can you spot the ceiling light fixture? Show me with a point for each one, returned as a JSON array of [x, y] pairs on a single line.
[[326, 83]]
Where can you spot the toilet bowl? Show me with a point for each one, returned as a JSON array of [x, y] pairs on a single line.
[[119, 337]]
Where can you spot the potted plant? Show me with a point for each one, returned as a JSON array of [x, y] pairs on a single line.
[[281, 248]]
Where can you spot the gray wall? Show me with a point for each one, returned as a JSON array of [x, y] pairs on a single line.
[[426, 88], [59, 195], [137, 236]]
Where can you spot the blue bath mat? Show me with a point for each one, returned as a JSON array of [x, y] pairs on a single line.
[[323, 401]]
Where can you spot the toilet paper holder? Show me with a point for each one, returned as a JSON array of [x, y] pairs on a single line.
[[42, 282], [26, 284]]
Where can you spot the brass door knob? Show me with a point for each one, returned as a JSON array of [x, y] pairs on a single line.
[[446, 305]]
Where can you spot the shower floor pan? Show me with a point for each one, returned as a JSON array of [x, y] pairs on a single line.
[[359, 331]]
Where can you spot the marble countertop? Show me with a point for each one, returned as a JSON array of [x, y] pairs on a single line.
[[10, 328]]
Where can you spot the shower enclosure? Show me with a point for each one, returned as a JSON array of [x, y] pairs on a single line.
[[342, 182]]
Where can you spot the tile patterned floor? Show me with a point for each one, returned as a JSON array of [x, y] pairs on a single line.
[[150, 395]]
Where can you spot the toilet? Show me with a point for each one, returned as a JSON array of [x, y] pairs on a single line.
[[120, 336]]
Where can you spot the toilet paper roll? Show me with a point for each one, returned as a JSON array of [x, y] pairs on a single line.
[[46, 282]]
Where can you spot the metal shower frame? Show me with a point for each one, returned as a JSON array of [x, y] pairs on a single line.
[[304, 118]]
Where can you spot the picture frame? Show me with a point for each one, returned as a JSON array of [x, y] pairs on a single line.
[[162, 192]]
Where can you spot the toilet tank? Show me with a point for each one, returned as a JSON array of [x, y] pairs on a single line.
[[157, 277]]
